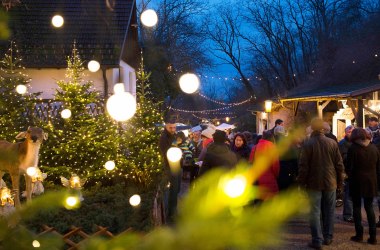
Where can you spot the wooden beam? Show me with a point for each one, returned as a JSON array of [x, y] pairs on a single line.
[[295, 108], [352, 105], [360, 113], [321, 107], [372, 111]]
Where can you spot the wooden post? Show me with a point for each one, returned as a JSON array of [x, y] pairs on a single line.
[[321, 107], [360, 113]]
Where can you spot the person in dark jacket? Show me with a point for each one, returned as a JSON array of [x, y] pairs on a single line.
[[363, 169], [218, 154], [344, 144], [168, 140], [320, 171], [240, 147]]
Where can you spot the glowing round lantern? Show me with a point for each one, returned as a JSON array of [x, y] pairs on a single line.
[[57, 21], [66, 113], [121, 106], [174, 154], [118, 88], [21, 89], [149, 18], [189, 83], [31, 171], [135, 200], [93, 66], [236, 186], [110, 165]]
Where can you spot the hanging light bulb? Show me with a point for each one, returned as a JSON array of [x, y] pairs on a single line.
[[57, 21], [149, 18], [189, 83]]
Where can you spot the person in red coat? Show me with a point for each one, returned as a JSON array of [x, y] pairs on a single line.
[[268, 180]]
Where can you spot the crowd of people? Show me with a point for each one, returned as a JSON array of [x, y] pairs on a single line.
[[317, 163]]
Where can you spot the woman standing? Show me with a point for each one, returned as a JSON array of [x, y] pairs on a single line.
[[363, 170], [240, 147]]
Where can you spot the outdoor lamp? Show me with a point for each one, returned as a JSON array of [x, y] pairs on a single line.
[[149, 18], [21, 89], [121, 106], [57, 21], [66, 113], [174, 155], [109, 165], [189, 83], [268, 106], [93, 65]]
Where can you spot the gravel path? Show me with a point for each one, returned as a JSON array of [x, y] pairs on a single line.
[[297, 234]]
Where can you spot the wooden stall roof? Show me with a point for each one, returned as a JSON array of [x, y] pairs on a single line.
[[334, 92]]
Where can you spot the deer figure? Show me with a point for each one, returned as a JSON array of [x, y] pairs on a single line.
[[15, 158]]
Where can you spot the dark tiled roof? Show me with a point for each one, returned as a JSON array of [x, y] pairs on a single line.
[[98, 31], [336, 91]]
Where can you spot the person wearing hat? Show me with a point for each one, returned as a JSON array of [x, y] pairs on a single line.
[[321, 173], [218, 154]]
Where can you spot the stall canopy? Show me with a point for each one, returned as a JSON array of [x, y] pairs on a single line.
[[225, 126]]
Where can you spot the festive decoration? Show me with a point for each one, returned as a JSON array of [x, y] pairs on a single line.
[[83, 143], [226, 104], [189, 83], [93, 65], [72, 202], [149, 18], [121, 106], [57, 21], [110, 165], [135, 200], [21, 89], [74, 182], [6, 197], [142, 135], [66, 113], [12, 105], [235, 187]]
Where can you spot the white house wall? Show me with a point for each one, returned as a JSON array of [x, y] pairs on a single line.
[[45, 80]]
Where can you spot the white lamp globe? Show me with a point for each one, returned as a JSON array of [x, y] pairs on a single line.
[[110, 165], [135, 200], [174, 154], [189, 83], [21, 89], [57, 21], [121, 106], [93, 65], [149, 18], [66, 113], [31, 171], [118, 88]]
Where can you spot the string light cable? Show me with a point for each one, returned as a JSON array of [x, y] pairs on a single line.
[[224, 103]]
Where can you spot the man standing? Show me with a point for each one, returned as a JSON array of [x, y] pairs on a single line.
[[344, 144], [168, 140], [320, 173], [373, 128]]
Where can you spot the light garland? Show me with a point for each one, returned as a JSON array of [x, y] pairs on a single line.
[[226, 104], [203, 118], [206, 111]]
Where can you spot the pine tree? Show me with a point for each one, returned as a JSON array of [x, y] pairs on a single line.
[[141, 135], [16, 110], [83, 143]]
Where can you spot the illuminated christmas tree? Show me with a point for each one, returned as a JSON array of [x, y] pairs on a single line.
[[15, 109], [84, 142], [141, 135]]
